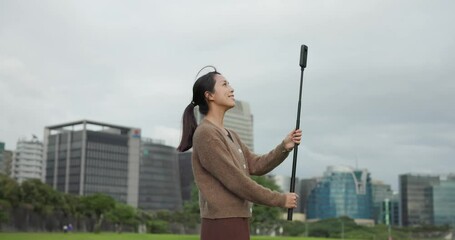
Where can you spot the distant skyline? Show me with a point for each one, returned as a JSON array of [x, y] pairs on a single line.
[[378, 87]]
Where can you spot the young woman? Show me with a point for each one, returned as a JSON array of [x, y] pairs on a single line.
[[222, 164]]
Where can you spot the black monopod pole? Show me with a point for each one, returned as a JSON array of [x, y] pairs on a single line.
[[303, 56]]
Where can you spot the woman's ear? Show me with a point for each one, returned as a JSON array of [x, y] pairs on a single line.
[[208, 96]]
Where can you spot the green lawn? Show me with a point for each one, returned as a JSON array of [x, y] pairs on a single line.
[[113, 236]]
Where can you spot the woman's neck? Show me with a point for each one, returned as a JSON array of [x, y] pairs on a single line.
[[216, 117]]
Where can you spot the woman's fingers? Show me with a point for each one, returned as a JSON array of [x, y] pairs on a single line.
[[297, 136]]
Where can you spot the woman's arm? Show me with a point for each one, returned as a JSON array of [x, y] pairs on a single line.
[[263, 164]]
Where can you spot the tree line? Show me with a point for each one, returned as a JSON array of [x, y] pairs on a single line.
[[35, 206]]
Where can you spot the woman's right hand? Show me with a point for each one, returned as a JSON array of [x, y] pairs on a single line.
[[291, 200]]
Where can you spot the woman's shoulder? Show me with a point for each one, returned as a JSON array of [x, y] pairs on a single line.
[[205, 129]]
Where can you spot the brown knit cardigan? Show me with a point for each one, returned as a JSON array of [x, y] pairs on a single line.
[[222, 169]]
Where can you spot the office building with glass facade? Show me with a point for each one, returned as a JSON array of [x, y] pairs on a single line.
[[443, 201], [342, 191], [395, 209], [186, 175], [87, 157], [415, 200], [382, 194], [159, 181], [306, 186]]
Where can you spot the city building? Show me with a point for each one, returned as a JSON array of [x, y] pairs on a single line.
[[159, 181], [7, 162], [87, 157], [343, 191], [186, 175], [443, 201], [2, 164], [415, 200], [394, 210], [382, 193], [238, 119], [306, 186], [28, 160]]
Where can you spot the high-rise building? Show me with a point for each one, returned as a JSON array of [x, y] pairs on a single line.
[[306, 186], [443, 201], [381, 192], [342, 191], [87, 157], [159, 182], [186, 175], [415, 200], [2, 163], [28, 160], [238, 119], [395, 209], [7, 162]]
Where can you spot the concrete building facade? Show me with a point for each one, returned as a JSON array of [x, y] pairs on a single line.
[[87, 157], [159, 180], [27, 162]]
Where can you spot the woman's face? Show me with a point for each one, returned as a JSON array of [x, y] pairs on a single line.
[[223, 94]]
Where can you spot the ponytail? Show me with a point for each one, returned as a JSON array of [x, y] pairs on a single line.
[[202, 84], [189, 126]]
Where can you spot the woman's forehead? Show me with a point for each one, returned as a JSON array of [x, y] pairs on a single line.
[[220, 78]]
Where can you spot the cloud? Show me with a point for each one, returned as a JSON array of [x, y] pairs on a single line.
[[377, 93]]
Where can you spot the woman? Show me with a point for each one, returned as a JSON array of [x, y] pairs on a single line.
[[222, 164]]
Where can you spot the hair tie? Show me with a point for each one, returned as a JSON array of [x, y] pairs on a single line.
[[193, 103], [208, 66]]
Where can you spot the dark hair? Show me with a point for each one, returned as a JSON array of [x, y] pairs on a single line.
[[203, 84]]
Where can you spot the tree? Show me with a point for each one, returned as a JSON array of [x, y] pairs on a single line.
[[9, 190], [9, 197], [159, 221], [40, 198], [97, 206], [122, 214], [294, 228], [190, 216], [70, 210]]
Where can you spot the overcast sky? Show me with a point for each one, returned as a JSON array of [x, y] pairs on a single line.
[[379, 84]]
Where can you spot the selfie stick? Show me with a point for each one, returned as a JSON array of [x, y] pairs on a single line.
[[303, 55]]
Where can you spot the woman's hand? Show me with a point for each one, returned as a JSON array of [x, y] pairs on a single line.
[[291, 200], [292, 139]]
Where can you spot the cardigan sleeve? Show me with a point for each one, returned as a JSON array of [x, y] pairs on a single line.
[[263, 164], [215, 157]]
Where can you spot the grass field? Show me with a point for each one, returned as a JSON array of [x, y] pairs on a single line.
[[123, 236]]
